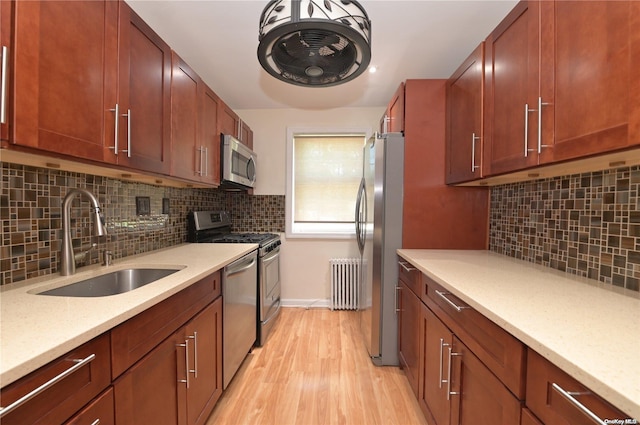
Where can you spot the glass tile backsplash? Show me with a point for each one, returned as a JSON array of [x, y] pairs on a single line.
[[31, 217], [584, 224]]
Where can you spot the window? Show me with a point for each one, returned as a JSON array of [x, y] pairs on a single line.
[[325, 170]]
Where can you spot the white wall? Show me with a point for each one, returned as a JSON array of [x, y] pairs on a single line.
[[304, 263]]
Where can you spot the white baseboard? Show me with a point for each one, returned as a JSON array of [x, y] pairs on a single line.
[[306, 303]]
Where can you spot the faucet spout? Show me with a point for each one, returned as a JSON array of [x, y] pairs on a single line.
[[67, 257]]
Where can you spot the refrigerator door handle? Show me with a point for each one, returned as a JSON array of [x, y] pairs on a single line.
[[358, 218]]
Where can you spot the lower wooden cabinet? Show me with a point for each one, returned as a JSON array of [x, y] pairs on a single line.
[[75, 379], [528, 418], [558, 399], [180, 380], [409, 335], [98, 412]]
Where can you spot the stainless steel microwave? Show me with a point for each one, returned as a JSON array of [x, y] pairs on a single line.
[[238, 164]]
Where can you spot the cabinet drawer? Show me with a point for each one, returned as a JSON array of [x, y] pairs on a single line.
[[411, 276], [99, 411], [134, 338], [548, 403], [500, 351], [82, 374]]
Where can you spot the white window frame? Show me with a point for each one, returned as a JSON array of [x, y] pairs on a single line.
[[314, 231]]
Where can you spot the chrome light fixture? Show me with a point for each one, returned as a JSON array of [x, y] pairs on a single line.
[[314, 43]]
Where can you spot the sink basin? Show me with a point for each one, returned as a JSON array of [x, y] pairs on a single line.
[[116, 282]]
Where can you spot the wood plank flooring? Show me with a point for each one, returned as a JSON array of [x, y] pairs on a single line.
[[314, 370]]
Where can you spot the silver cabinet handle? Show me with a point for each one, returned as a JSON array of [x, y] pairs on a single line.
[[96, 422], [404, 266], [116, 127], [526, 129], [194, 337], [200, 172], [79, 363], [186, 362], [3, 86], [442, 345], [128, 150], [443, 295], [540, 105], [449, 392], [474, 167], [206, 161], [395, 302], [569, 396]]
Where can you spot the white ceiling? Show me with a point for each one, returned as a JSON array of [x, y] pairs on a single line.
[[410, 39]]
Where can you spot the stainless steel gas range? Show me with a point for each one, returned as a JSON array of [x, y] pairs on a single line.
[[215, 227]]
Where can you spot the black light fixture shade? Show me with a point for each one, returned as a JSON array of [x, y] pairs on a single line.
[[314, 43]]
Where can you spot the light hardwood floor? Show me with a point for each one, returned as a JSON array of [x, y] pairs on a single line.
[[314, 370]]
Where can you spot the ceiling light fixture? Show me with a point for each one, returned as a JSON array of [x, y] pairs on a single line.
[[314, 43]]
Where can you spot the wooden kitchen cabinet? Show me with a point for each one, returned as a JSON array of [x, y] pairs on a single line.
[[98, 412], [66, 395], [511, 68], [180, 380], [561, 83], [408, 310], [435, 215], [545, 383], [393, 119], [589, 67], [477, 393], [65, 85], [210, 137], [464, 132], [144, 95], [528, 418], [230, 123]]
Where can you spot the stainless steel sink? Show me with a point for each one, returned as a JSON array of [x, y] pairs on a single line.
[[116, 282]]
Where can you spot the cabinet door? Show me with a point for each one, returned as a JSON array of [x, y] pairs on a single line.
[[228, 121], [5, 65], [436, 340], [150, 392], [477, 396], [99, 411], [65, 84], [545, 383], [511, 91], [409, 334], [464, 120], [246, 134], [187, 154], [144, 96], [210, 137], [204, 334], [393, 119], [586, 74]]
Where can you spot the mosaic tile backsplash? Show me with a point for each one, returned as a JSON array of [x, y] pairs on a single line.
[[31, 217], [584, 224]]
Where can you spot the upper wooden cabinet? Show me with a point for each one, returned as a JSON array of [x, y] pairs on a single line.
[[393, 119], [144, 95], [464, 133], [561, 83], [64, 84], [230, 123], [195, 144]]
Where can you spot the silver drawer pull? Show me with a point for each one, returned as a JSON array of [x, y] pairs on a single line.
[[404, 266], [443, 295], [78, 364], [96, 422], [569, 396]]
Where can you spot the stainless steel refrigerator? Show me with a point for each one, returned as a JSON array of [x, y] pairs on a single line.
[[379, 234]]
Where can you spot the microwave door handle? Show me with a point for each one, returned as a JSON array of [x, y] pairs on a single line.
[[253, 177]]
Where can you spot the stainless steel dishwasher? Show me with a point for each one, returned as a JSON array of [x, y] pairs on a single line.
[[239, 313]]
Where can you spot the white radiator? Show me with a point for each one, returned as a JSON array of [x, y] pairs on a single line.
[[345, 277]]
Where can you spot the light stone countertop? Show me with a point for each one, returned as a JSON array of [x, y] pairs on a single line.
[[589, 331], [35, 329]]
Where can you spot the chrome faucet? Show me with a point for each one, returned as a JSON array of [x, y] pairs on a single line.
[[67, 257]]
